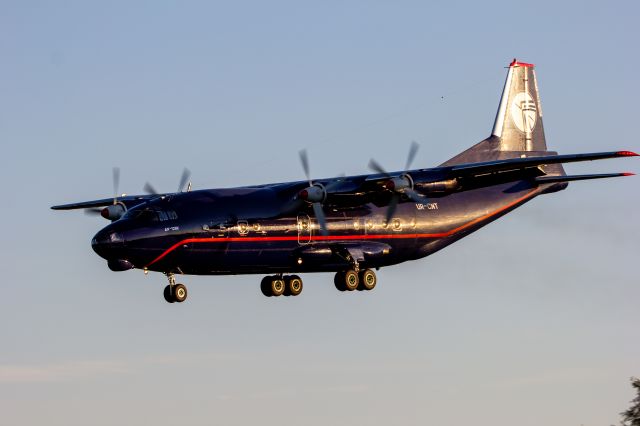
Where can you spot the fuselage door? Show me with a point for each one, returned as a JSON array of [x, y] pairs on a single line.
[[304, 229]]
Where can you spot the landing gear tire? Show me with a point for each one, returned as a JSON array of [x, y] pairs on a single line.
[[276, 285], [293, 285], [179, 293], [350, 280], [265, 286], [167, 294], [272, 286], [368, 280]]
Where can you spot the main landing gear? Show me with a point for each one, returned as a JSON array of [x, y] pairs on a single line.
[[351, 280], [278, 285], [291, 285], [175, 292]]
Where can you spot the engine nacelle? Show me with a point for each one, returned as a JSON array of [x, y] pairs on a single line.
[[114, 211], [399, 183], [314, 194], [448, 185]]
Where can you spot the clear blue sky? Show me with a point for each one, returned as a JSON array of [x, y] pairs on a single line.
[[531, 321]]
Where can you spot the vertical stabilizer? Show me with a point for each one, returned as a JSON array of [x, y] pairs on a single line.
[[518, 124]]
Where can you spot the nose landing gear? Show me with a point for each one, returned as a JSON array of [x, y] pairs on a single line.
[[174, 292]]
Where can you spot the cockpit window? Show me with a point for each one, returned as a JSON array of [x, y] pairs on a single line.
[[141, 214], [165, 215], [151, 214]]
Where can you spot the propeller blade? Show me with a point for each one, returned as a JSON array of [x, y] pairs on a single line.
[[413, 150], [415, 196], [320, 217], [334, 183], [149, 189], [184, 179], [304, 159], [393, 203], [376, 167], [116, 183], [93, 212]]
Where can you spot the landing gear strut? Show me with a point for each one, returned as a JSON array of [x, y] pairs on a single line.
[[277, 285], [174, 292]]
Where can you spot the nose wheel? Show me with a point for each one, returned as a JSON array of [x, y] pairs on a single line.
[[175, 292]]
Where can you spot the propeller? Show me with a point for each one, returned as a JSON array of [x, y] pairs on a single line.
[[184, 179], [316, 193], [186, 174], [93, 211], [116, 183], [115, 210], [399, 185], [149, 189]]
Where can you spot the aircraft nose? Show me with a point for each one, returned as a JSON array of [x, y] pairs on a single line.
[[106, 242]]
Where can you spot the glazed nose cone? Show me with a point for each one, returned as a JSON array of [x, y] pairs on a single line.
[[107, 243]]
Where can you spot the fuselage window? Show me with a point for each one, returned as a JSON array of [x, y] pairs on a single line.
[[164, 215]]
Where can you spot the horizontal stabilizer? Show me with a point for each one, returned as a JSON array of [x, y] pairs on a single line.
[[474, 169], [554, 179]]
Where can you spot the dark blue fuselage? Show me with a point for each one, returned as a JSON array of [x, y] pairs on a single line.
[[265, 230]]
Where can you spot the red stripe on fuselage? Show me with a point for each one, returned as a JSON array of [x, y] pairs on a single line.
[[343, 237]]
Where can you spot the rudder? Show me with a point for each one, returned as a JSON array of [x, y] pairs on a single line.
[[517, 129]]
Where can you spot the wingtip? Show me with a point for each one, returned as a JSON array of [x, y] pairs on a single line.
[[628, 174], [626, 154]]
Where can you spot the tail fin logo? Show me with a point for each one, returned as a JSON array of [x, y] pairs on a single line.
[[524, 112]]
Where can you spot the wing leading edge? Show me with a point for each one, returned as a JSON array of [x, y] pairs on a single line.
[[128, 200]]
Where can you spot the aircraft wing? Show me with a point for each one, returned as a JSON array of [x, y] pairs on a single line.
[[447, 179], [128, 200]]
